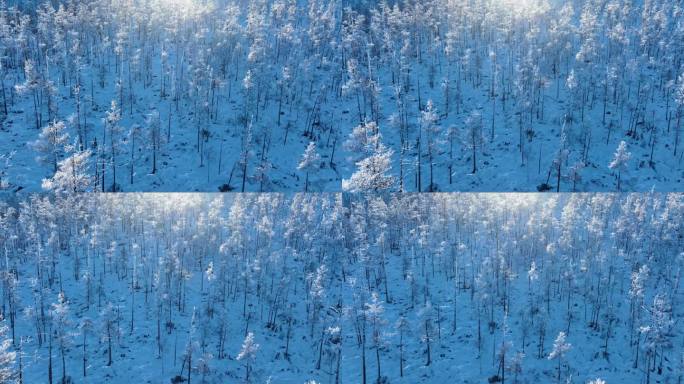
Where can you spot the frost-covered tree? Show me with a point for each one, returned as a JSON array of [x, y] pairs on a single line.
[[515, 365], [51, 142], [133, 137], [248, 354], [87, 328], [109, 329], [309, 163], [636, 294], [363, 139], [245, 154], [559, 159], [191, 347], [657, 333], [428, 123], [7, 356], [574, 174], [204, 365], [374, 314], [155, 137], [113, 131], [474, 137], [426, 329], [5, 163], [679, 100], [560, 348], [32, 84], [620, 160], [72, 175], [372, 174], [61, 323]]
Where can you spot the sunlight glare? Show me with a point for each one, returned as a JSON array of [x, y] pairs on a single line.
[[524, 8], [180, 7]]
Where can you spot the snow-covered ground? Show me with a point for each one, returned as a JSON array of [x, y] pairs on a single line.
[[623, 88], [298, 270]]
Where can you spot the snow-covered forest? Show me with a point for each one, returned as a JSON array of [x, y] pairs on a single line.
[[318, 95], [414, 288]]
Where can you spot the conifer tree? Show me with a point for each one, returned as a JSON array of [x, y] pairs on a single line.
[[51, 142], [560, 348], [248, 354], [309, 163], [620, 160]]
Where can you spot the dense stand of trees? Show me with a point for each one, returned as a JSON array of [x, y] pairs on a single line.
[[455, 87], [342, 288]]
